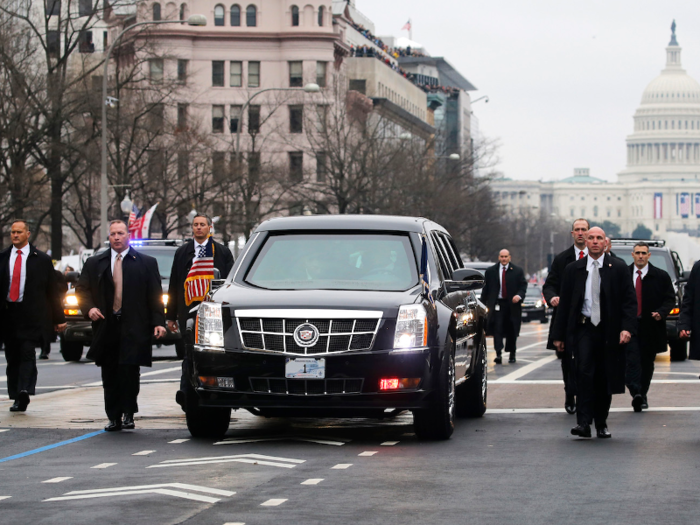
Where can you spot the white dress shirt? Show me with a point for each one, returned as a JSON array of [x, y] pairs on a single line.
[[500, 280], [197, 246], [578, 252], [23, 274], [114, 257], [645, 271], [587, 299]]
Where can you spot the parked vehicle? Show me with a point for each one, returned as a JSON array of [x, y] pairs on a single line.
[[534, 305], [341, 316]]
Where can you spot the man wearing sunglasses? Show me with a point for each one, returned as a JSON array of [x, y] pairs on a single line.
[[655, 299]]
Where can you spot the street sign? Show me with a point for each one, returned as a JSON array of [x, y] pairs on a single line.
[[165, 489]]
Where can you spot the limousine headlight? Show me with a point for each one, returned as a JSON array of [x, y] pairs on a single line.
[[411, 327], [210, 326], [71, 300]]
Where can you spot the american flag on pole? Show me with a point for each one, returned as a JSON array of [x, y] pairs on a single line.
[[132, 216], [407, 27], [200, 275], [685, 205], [658, 205], [140, 228]]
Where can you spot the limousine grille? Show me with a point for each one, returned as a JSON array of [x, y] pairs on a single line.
[[335, 335], [305, 387]]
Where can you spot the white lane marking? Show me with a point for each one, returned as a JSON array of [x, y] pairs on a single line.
[[234, 523], [526, 369], [367, 453], [147, 374], [254, 459], [56, 480], [3, 378], [312, 481], [341, 466], [143, 453], [533, 345], [561, 410], [163, 489], [4, 497], [389, 443], [174, 380], [4, 429], [178, 441], [104, 465], [504, 381], [307, 439], [272, 502]]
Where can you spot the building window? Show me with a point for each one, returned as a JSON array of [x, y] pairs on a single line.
[[156, 70], [251, 16], [322, 114], [217, 73], [218, 165], [321, 15], [295, 15], [235, 15], [608, 212], [85, 8], [85, 44], [236, 74], [154, 166], [296, 75], [321, 74], [619, 212], [296, 118], [571, 212], [183, 165], [253, 119], [156, 11], [296, 166], [235, 117], [595, 211], [182, 71], [182, 117], [321, 167], [53, 7], [253, 74], [359, 85], [253, 166], [219, 15], [217, 119], [183, 12]]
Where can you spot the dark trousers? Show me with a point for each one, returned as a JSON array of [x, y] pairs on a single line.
[[120, 382], [503, 327], [640, 357], [565, 358], [21, 366], [593, 400]]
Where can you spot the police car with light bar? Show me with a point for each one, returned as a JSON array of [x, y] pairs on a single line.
[[333, 316]]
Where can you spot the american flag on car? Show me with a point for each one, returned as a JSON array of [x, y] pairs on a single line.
[[200, 275]]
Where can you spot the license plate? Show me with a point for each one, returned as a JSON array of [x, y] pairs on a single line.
[[78, 334], [305, 368], [524, 314]]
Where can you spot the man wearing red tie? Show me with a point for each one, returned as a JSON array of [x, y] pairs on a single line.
[[655, 299], [503, 293], [30, 311]]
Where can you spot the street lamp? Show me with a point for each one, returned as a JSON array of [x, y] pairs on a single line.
[[126, 204], [191, 215], [194, 20], [481, 98], [308, 88]]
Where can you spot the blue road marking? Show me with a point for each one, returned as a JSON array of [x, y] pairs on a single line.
[[49, 447]]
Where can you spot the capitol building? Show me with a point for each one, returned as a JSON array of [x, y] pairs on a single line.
[[659, 187]]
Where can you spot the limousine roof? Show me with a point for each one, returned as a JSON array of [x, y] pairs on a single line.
[[349, 222]]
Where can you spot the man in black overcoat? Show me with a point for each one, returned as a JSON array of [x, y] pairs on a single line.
[[655, 299], [689, 320], [504, 289], [552, 290], [178, 310], [31, 311], [597, 318], [120, 292]]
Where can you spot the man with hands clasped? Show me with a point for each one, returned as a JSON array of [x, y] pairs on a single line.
[[596, 318]]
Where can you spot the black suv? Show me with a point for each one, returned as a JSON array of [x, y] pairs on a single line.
[[670, 262], [79, 330], [329, 316]]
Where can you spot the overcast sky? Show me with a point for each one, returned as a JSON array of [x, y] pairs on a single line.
[[564, 78]]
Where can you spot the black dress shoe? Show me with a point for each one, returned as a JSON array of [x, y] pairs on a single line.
[[583, 431], [498, 360], [603, 433], [115, 425], [645, 404], [21, 402], [570, 404], [637, 402], [511, 359], [128, 423], [43, 356]]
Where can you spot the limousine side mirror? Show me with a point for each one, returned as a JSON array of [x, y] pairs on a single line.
[[217, 282], [684, 277], [465, 279]]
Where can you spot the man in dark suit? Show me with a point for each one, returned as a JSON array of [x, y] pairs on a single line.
[[503, 293], [597, 317], [178, 309], [552, 290], [655, 299], [689, 320], [62, 288], [30, 311], [120, 292]]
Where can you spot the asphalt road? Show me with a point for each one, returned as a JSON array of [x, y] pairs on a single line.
[[514, 465]]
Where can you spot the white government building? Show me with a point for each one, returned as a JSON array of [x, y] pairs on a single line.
[[659, 188]]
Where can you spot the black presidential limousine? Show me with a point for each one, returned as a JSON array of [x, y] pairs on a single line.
[[334, 316]]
